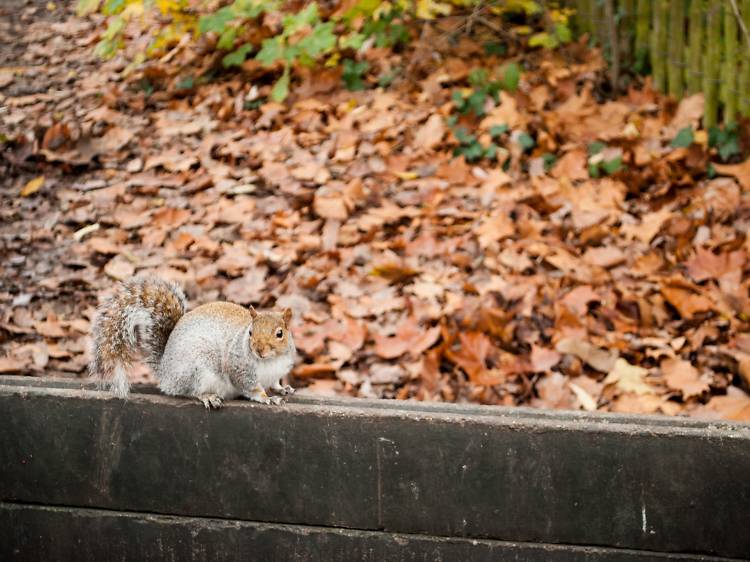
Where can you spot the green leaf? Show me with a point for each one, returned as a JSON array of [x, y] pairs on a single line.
[[352, 74], [226, 40], [511, 77], [612, 166], [563, 33], [526, 141], [271, 51], [281, 89], [498, 130], [729, 149], [253, 8], [683, 139], [293, 23], [320, 41], [549, 161], [86, 7], [112, 7], [185, 83], [596, 147], [463, 136], [543, 39], [216, 22], [498, 49], [237, 57], [354, 40]]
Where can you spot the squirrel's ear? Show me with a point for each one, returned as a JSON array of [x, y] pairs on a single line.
[[253, 312], [287, 315]]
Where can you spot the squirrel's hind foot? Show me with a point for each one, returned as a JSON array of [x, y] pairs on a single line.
[[211, 401]]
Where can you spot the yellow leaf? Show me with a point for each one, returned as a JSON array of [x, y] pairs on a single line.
[[428, 9], [32, 186], [407, 175]]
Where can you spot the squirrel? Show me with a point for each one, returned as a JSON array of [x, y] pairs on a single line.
[[216, 352]]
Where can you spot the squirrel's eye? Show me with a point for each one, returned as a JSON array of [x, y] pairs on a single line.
[[279, 333]]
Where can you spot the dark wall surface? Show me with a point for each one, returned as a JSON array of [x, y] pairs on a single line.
[[382, 477]]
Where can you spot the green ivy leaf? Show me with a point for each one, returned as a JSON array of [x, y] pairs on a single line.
[[511, 77], [281, 89], [498, 130], [236, 58], [683, 139], [216, 22], [226, 40], [612, 166], [320, 41], [271, 51], [352, 74], [526, 141], [307, 17]]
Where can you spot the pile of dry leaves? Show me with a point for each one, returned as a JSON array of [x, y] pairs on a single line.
[[413, 274]]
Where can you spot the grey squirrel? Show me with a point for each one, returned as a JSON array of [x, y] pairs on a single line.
[[215, 352]]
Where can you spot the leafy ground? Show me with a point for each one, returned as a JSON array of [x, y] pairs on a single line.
[[603, 267]]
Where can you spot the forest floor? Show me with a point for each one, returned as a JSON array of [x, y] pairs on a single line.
[[596, 257]]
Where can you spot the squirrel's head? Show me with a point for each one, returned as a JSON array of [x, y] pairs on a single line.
[[269, 337]]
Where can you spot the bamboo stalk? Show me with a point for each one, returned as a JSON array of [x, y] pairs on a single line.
[[695, 49], [614, 45], [642, 24], [676, 48], [583, 16], [729, 69], [660, 15], [744, 82], [712, 64], [626, 29], [598, 21]]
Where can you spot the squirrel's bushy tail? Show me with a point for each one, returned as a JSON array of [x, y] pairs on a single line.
[[135, 321]]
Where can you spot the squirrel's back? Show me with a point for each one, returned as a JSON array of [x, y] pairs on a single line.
[[136, 320]]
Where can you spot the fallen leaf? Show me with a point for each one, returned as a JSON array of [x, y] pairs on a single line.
[[629, 378], [430, 134], [409, 337], [687, 302], [32, 186], [600, 359], [683, 377], [119, 268]]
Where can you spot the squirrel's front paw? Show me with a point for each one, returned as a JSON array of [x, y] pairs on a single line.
[[211, 401], [286, 390]]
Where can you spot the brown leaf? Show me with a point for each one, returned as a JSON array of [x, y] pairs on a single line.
[[314, 370], [687, 302], [472, 355], [707, 265], [119, 268], [10, 365], [543, 359], [683, 377], [629, 378], [600, 359], [409, 337], [740, 171], [431, 134]]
